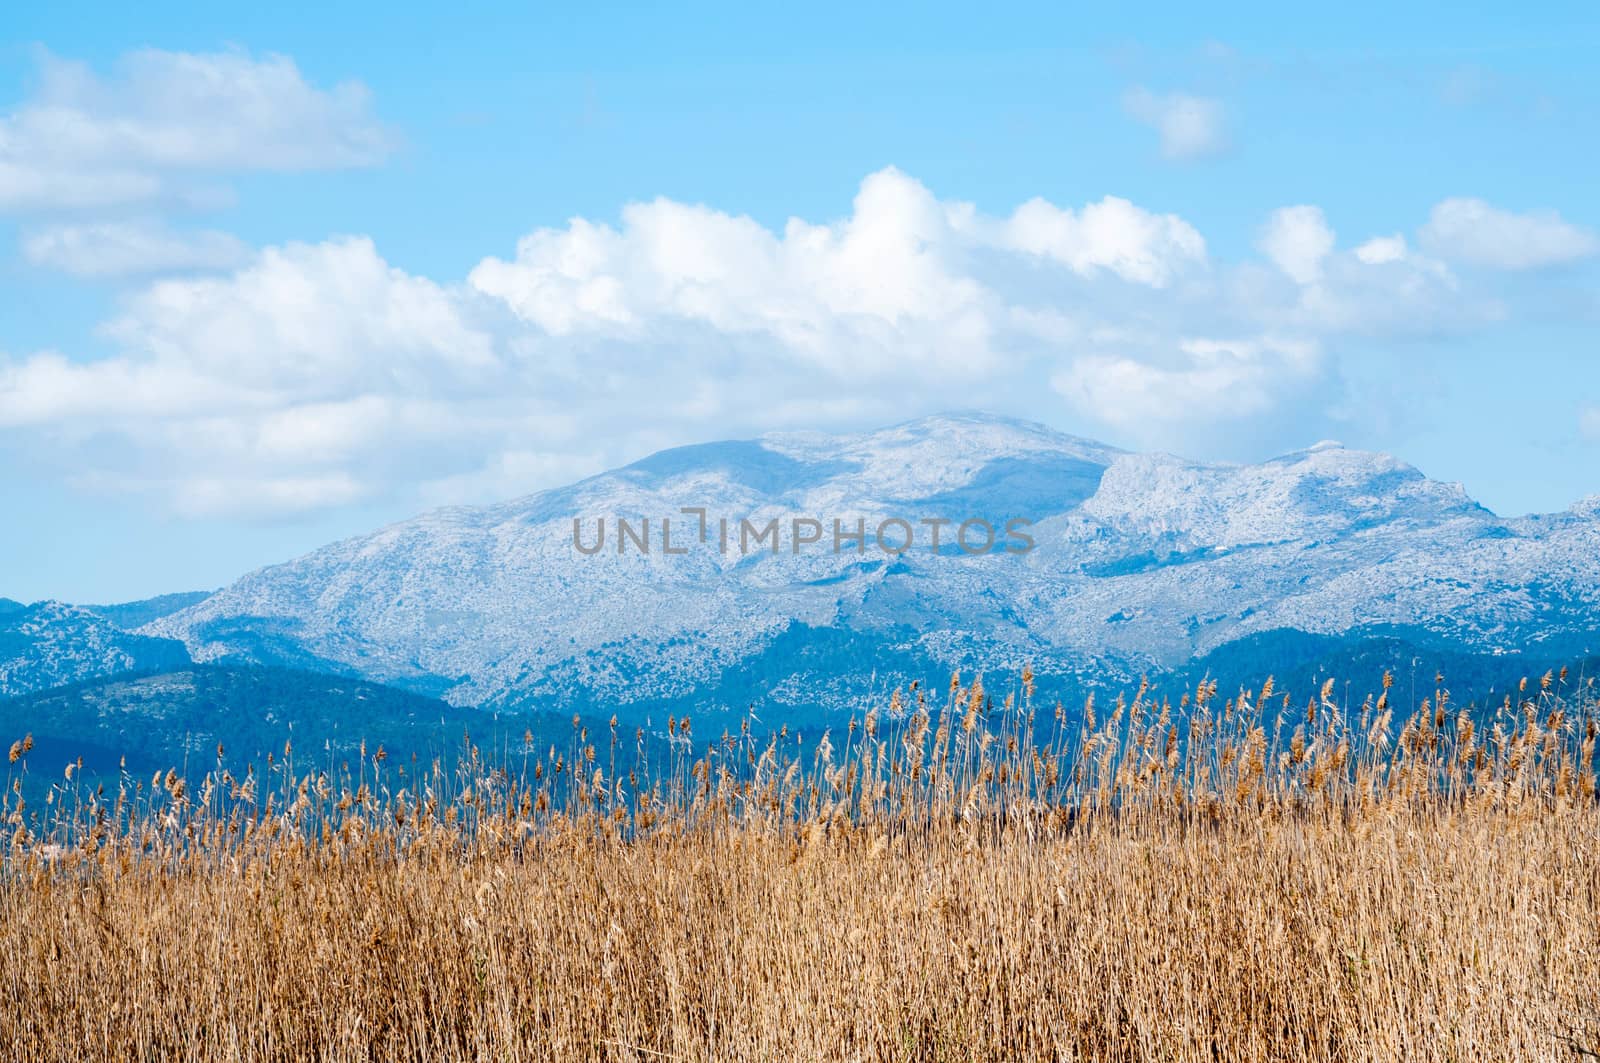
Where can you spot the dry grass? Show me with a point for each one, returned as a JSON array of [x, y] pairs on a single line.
[[1246, 879]]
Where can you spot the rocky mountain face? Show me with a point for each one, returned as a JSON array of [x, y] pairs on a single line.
[[50, 644], [1101, 561], [132, 615]]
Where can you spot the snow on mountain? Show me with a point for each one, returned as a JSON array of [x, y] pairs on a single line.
[[1141, 561]]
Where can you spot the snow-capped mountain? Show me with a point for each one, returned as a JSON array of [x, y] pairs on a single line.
[[1138, 561]]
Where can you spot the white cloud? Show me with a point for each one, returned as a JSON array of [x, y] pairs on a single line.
[[1475, 233], [48, 389], [1383, 249], [318, 375], [308, 321], [1380, 288], [1112, 235], [1369, 293], [1190, 127], [310, 369], [896, 276], [29, 185], [113, 249], [1209, 379], [835, 294], [166, 123], [1297, 239]]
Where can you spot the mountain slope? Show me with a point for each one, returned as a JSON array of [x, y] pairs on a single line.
[[166, 719], [50, 644], [132, 615], [146, 723], [1142, 562]]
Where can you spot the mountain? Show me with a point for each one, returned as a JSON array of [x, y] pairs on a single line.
[[177, 719], [131, 615], [1140, 563], [165, 719], [50, 644]]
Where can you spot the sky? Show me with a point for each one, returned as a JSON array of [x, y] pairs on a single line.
[[270, 278]]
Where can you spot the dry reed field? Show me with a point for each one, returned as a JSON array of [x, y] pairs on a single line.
[[1261, 877]]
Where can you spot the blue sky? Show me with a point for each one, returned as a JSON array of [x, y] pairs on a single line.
[[272, 277]]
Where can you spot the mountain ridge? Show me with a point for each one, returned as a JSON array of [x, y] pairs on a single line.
[[50, 644], [1142, 562]]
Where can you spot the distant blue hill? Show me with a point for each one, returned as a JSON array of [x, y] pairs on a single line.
[[126, 727], [120, 730], [131, 615]]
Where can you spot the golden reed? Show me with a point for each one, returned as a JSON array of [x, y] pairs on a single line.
[[1261, 877]]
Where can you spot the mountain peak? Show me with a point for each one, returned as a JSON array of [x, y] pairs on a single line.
[[1586, 507], [955, 426], [1143, 559], [946, 439]]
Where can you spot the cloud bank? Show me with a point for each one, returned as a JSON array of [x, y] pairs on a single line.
[[288, 379], [317, 375]]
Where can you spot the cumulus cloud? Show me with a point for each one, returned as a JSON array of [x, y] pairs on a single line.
[[310, 369], [897, 276], [1210, 379], [1297, 239], [164, 124], [1112, 235], [1383, 292], [1380, 288], [116, 249], [833, 294], [317, 375], [1383, 249], [1475, 233], [1189, 127], [308, 321]]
